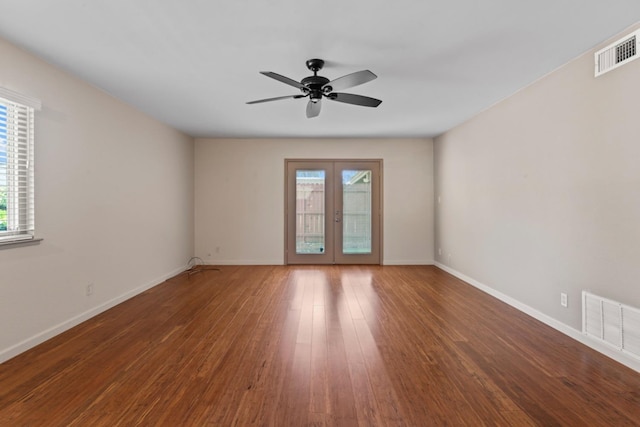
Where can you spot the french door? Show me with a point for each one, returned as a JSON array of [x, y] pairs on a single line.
[[333, 212]]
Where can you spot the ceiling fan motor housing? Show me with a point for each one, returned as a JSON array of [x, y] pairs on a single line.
[[313, 85]]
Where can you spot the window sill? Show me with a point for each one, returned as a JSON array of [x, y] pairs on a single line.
[[18, 243]]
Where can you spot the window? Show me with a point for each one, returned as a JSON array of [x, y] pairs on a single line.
[[16, 167]]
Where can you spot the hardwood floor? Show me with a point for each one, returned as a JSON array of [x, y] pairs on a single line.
[[295, 346]]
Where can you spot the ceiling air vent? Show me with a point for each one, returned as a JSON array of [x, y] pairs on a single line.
[[618, 53]]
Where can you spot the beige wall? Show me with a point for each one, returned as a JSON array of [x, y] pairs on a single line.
[[114, 204], [239, 192], [541, 193]]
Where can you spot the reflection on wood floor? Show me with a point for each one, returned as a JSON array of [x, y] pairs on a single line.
[[311, 345]]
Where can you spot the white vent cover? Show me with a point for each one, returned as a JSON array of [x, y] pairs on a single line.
[[611, 322], [618, 53]]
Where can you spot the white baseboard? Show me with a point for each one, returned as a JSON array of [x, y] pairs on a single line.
[[43, 336], [577, 335], [243, 262], [407, 262]]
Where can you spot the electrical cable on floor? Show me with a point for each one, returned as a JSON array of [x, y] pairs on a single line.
[[197, 265]]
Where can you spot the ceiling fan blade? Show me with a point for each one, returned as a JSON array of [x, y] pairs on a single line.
[[277, 98], [351, 80], [349, 98], [283, 79], [313, 108]]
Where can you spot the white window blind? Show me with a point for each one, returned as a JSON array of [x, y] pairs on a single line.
[[17, 214]]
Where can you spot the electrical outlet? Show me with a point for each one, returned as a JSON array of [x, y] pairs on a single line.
[[90, 289], [439, 251], [564, 301]]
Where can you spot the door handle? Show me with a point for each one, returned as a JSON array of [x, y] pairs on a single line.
[[337, 217]]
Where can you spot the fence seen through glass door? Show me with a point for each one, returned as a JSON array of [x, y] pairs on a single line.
[[356, 214], [310, 212]]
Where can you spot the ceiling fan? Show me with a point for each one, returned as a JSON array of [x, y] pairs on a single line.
[[315, 87]]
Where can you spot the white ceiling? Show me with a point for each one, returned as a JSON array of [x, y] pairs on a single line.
[[194, 63]]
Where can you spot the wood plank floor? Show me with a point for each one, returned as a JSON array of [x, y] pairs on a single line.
[[295, 346]]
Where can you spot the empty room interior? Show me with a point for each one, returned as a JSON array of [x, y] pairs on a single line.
[[319, 213]]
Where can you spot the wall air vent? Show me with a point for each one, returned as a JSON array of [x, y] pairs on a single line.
[[618, 53], [611, 322]]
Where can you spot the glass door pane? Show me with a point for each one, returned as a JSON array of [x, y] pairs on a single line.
[[356, 211], [310, 211], [309, 236]]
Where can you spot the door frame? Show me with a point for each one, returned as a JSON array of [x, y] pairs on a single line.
[[379, 222]]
